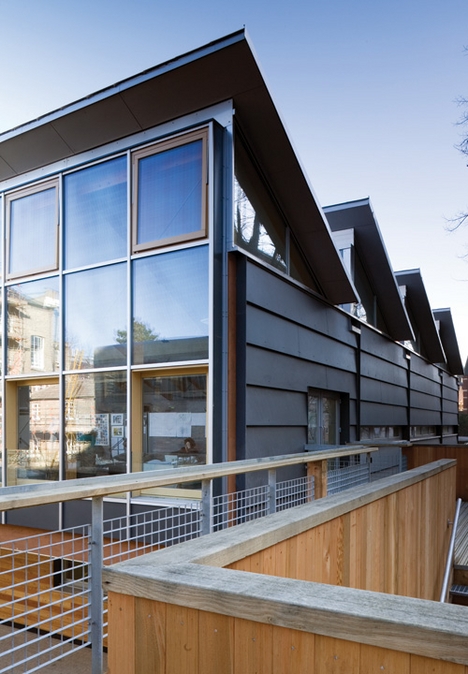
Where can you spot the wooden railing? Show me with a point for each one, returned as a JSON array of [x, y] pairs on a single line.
[[97, 488], [247, 599]]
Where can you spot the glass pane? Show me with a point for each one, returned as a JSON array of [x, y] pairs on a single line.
[[170, 306], [1, 229], [170, 193], [174, 422], [96, 424], [258, 225], [95, 210], [33, 327], [1, 440], [96, 318], [329, 426], [313, 420], [33, 232], [37, 456]]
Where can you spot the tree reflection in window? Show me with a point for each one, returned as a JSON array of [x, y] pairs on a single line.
[[253, 235]]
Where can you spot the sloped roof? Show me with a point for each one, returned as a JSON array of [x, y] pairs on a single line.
[[359, 216], [449, 340], [422, 314], [222, 70]]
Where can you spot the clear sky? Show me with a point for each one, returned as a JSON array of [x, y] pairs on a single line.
[[367, 91]]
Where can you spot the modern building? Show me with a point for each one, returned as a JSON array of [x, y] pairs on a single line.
[[173, 292]]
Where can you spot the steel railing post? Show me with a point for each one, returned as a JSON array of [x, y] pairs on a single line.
[[96, 558], [205, 514], [272, 491]]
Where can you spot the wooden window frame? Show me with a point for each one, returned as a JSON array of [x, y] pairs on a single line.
[[11, 410], [156, 148], [20, 194]]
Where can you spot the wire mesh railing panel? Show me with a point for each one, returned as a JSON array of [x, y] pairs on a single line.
[[346, 477], [297, 491], [45, 579], [44, 598], [138, 534], [229, 510]]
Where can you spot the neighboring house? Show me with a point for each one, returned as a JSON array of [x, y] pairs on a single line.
[[204, 312]]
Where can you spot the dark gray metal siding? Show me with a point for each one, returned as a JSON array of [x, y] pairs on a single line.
[[291, 340]]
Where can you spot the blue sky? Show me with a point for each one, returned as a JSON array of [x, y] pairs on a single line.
[[367, 91]]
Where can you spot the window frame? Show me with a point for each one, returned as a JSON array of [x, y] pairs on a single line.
[[157, 148], [53, 183]]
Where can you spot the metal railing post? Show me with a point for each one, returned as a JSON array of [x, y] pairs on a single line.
[[451, 550], [369, 461], [205, 524], [96, 557], [271, 491]]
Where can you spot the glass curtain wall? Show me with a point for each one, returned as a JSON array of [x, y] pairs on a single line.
[[125, 285]]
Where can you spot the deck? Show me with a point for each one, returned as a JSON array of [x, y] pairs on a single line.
[[461, 541]]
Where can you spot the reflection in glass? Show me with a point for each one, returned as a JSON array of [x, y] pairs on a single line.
[[33, 327], [170, 306], [33, 232], [170, 193], [96, 423], [313, 423], [1, 441], [255, 234], [95, 213], [174, 421], [258, 225], [329, 421], [95, 318], [1, 228], [37, 456]]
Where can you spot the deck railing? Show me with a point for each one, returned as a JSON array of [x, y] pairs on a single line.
[[52, 601]]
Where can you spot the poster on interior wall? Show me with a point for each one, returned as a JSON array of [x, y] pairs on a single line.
[[101, 424], [169, 424]]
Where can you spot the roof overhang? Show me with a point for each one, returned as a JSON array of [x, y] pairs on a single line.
[[422, 314], [359, 216], [222, 70], [449, 340]]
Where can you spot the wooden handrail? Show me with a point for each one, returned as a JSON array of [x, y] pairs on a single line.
[[12, 498]]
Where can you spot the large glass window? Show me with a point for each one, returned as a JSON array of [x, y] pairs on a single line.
[[32, 229], [173, 422], [96, 318], [96, 423], [95, 212], [33, 448], [33, 326], [258, 227], [170, 306], [169, 203]]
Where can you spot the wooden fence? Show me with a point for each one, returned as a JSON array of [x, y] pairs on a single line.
[[419, 455], [302, 591]]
